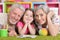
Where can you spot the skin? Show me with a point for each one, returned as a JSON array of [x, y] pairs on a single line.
[[27, 19], [14, 16], [41, 18]]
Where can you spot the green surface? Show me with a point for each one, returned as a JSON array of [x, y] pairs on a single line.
[[37, 38], [3, 33]]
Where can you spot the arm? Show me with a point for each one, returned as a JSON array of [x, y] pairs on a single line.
[[11, 30], [31, 29], [53, 28], [22, 30]]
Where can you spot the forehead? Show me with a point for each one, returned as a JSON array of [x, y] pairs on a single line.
[[17, 10], [29, 12], [40, 11]]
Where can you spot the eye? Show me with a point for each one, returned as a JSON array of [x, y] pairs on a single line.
[[26, 15], [19, 16], [36, 15], [41, 14], [31, 16], [14, 13]]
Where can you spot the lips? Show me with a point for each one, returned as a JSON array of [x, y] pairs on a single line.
[[40, 21], [13, 20]]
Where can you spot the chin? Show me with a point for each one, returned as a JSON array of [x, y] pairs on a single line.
[[41, 23], [12, 22]]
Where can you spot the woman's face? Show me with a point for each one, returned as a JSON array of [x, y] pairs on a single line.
[[40, 17], [28, 16]]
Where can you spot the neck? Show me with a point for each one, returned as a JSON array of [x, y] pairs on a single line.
[[44, 25]]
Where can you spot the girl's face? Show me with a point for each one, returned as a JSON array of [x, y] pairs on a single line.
[[40, 17], [28, 16]]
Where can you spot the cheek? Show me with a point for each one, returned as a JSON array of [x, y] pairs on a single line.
[[30, 17], [12, 16], [24, 18], [36, 19], [18, 18], [44, 18]]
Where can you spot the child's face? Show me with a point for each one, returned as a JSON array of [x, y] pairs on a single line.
[[28, 17]]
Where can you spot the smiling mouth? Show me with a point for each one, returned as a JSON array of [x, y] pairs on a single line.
[[40, 22], [13, 20]]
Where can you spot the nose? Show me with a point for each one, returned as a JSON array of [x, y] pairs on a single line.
[[16, 17], [28, 17], [39, 17]]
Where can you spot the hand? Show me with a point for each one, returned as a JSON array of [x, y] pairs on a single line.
[[12, 33], [4, 26], [28, 25], [50, 14]]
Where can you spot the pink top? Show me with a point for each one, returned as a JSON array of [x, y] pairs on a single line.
[[21, 24]]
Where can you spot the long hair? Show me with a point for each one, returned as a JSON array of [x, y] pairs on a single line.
[[16, 29], [25, 12], [46, 9]]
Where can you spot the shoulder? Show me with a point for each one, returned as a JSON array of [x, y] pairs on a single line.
[[20, 23]]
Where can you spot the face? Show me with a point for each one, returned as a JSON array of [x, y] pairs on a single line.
[[15, 15], [40, 17], [28, 16]]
